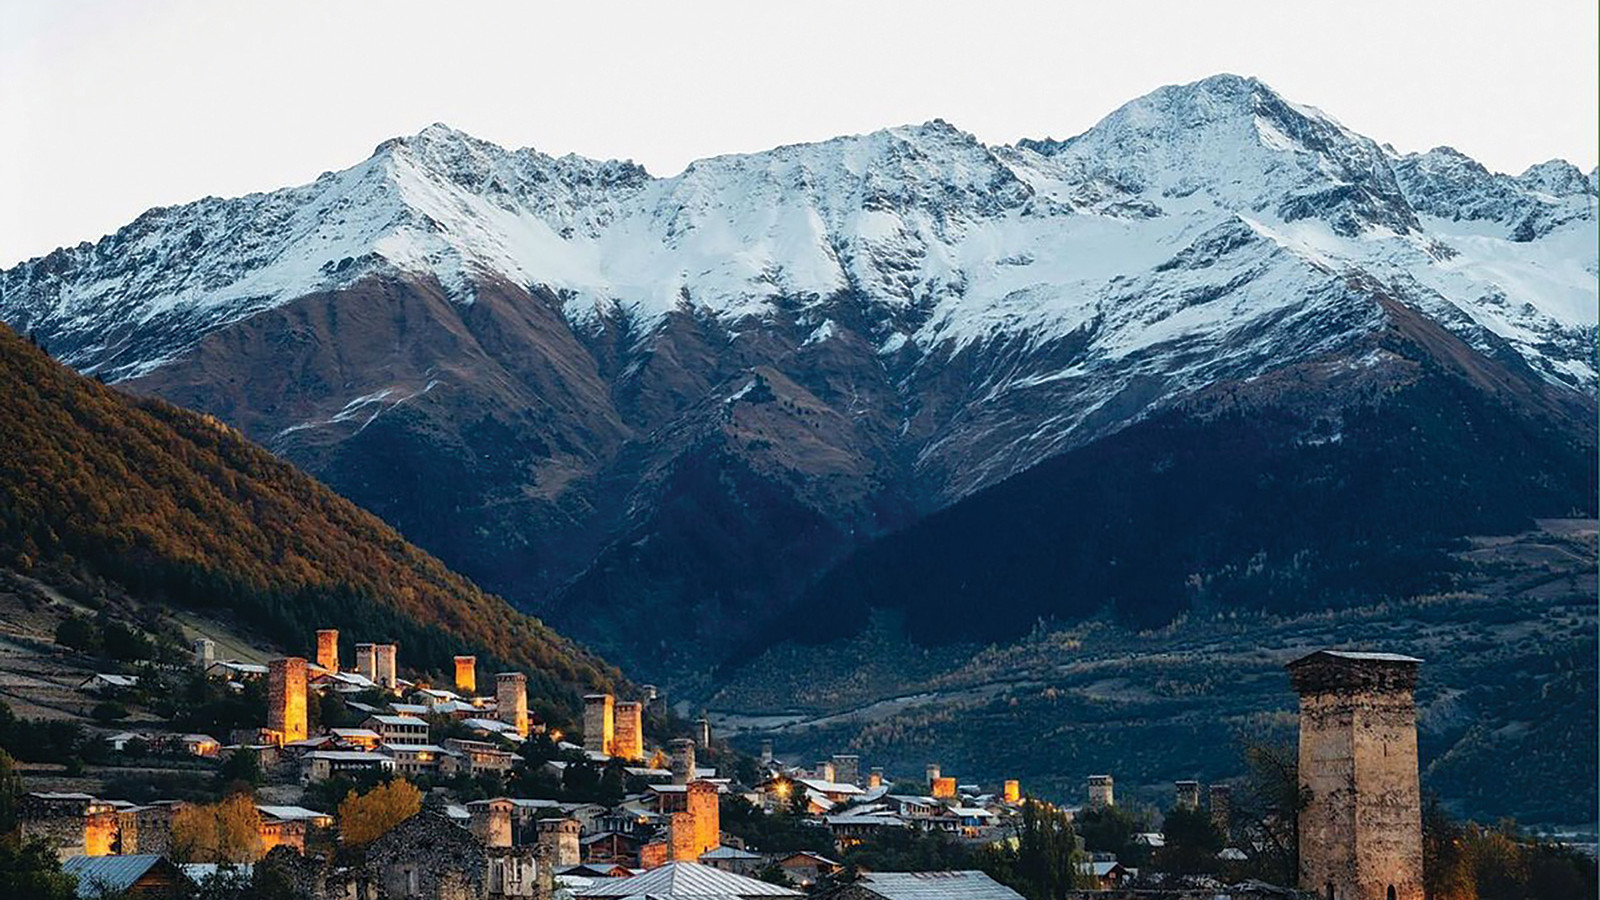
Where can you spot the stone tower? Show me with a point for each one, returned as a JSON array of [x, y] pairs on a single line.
[[875, 777], [766, 752], [1011, 791], [559, 839], [846, 768], [328, 648], [388, 676], [1188, 794], [511, 700], [627, 735], [286, 699], [705, 815], [702, 732], [943, 788], [824, 771], [683, 769], [1220, 799], [367, 662], [680, 838], [1102, 791], [205, 652], [1361, 830], [466, 675], [491, 822], [933, 771], [599, 722]]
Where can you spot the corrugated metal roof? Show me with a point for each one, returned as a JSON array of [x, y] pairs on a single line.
[[108, 874], [690, 881], [936, 886]]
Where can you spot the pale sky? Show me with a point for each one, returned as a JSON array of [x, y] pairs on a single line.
[[110, 108]]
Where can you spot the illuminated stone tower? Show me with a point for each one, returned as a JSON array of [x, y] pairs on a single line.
[[706, 816], [286, 699], [1011, 791], [627, 739], [466, 675], [511, 700], [328, 648], [1361, 830], [599, 722]]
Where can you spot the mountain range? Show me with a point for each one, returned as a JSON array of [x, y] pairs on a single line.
[[1218, 350]]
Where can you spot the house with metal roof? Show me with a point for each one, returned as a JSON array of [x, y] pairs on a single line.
[[137, 875], [685, 881], [964, 885]]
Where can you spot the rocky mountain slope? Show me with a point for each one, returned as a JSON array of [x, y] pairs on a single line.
[[175, 508], [655, 409]]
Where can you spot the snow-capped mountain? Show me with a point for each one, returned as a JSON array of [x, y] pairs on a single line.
[[525, 360]]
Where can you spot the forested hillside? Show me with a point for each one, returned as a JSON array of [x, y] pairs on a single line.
[[179, 508]]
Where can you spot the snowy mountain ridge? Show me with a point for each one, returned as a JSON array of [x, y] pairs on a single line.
[[942, 240]]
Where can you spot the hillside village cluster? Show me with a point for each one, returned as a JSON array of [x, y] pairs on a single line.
[[1361, 837]]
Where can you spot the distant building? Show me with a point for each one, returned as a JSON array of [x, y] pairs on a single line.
[[684, 881], [964, 885]]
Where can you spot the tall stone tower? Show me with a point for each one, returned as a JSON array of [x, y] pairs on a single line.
[[1220, 799], [1188, 794], [702, 732], [932, 770], [683, 768], [205, 652], [1011, 791], [328, 648], [286, 699], [559, 838], [706, 816], [599, 722], [875, 777], [627, 740], [1361, 831], [388, 674], [491, 822], [367, 662], [511, 700], [466, 675], [1102, 791], [766, 752], [846, 768], [680, 838]]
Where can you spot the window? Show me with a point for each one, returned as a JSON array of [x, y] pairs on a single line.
[[1330, 890], [1391, 892]]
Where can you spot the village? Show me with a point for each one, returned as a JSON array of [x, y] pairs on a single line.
[[493, 802]]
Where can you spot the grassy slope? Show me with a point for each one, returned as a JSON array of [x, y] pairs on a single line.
[[177, 507]]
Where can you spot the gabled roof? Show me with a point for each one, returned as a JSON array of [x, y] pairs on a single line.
[[397, 720], [728, 853], [936, 886], [687, 880], [290, 813], [111, 874]]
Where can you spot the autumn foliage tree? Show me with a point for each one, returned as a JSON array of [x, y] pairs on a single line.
[[228, 831], [364, 818]]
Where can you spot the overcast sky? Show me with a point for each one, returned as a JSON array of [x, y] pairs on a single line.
[[110, 108]]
